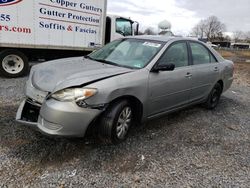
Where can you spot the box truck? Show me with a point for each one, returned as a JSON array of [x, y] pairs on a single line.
[[48, 29]]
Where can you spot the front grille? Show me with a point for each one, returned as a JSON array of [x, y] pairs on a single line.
[[31, 111]]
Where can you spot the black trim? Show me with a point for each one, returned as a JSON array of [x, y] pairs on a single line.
[[190, 57], [108, 30]]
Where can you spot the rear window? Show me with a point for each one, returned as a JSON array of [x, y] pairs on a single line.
[[200, 54]]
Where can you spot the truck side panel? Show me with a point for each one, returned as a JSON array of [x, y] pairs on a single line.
[[53, 24]]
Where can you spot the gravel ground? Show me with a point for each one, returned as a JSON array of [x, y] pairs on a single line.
[[191, 148]]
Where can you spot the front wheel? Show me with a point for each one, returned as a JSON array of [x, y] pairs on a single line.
[[13, 64], [214, 97], [116, 122]]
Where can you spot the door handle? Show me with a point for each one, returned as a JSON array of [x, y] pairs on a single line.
[[216, 69], [188, 75]]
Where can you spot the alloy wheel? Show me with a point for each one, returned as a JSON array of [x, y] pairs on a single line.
[[124, 122]]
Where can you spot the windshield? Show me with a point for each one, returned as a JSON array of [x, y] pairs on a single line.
[[131, 53]]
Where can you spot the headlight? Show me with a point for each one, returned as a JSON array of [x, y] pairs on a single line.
[[74, 94]]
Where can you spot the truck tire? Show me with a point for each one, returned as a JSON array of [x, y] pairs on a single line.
[[13, 63]]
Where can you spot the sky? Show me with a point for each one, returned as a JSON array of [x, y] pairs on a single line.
[[184, 14]]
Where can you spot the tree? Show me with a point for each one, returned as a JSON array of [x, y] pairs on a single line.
[[214, 28], [211, 28], [247, 36], [199, 29], [238, 36], [227, 38]]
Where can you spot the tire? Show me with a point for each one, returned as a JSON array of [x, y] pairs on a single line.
[[214, 97], [13, 63], [115, 123]]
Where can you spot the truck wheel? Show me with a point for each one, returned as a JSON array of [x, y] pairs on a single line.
[[115, 122], [13, 64]]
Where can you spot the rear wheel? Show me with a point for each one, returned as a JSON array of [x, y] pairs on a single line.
[[13, 64], [116, 122], [214, 97]]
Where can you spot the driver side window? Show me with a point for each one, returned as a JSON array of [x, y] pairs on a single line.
[[176, 54]]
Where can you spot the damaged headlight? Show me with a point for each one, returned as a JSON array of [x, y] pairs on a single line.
[[74, 94]]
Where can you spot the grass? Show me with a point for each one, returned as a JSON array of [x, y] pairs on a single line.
[[242, 73], [240, 54], [242, 68], [226, 54], [243, 53]]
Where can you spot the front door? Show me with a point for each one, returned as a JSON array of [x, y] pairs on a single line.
[[171, 89]]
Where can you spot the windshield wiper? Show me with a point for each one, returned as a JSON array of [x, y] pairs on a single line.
[[109, 62], [102, 61], [106, 62]]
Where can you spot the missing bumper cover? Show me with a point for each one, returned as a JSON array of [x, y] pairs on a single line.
[[30, 111]]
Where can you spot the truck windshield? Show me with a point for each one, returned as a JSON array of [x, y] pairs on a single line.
[[124, 27], [130, 53]]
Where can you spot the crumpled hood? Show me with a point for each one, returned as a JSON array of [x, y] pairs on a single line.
[[55, 75]]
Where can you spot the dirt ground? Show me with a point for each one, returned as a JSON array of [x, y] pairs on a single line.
[[242, 65], [191, 148], [242, 74], [239, 56]]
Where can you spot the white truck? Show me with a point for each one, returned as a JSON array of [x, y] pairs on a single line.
[[49, 29]]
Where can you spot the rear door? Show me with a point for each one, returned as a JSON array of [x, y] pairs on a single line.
[[171, 89], [206, 70]]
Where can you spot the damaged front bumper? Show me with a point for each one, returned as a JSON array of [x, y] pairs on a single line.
[[57, 118]]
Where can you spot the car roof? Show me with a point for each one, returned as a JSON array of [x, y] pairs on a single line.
[[166, 39], [161, 38]]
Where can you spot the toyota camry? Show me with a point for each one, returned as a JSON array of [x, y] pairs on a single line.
[[128, 81]]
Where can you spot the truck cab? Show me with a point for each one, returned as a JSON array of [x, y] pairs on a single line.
[[118, 27]]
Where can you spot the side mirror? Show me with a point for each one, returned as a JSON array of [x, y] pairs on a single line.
[[136, 27], [167, 67]]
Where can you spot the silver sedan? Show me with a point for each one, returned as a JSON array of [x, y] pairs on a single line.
[[126, 82]]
